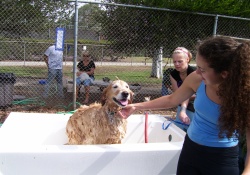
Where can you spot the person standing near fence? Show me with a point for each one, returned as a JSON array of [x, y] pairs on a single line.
[[185, 111], [222, 113], [54, 61]]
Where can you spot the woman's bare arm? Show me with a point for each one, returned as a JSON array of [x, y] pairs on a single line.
[[187, 89]]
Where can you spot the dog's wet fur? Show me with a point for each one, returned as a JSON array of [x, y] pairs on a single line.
[[99, 123]]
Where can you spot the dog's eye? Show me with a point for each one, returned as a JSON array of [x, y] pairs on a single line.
[[115, 86]]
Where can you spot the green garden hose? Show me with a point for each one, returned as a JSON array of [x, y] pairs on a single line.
[[29, 101], [37, 101], [67, 108]]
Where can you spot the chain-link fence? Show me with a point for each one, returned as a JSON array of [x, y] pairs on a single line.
[[129, 42]]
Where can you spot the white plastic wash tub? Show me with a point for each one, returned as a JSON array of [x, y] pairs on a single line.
[[33, 144]]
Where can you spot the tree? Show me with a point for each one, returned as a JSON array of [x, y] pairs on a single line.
[[87, 15], [238, 8], [20, 18], [133, 30]]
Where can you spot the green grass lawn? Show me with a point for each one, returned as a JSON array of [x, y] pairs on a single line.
[[131, 74]]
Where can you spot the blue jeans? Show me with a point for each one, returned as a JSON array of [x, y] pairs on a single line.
[[190, 114], [86, 82], [165, 90], [54, 74]]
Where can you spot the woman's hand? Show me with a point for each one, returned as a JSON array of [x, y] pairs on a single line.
[[78, 73], [126, 111], [184, 118]]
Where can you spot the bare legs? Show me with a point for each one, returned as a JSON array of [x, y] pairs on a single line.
[[87, 89]]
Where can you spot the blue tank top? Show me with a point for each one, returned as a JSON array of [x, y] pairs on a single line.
[[204, 128]]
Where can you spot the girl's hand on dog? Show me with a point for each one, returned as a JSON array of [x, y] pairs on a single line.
[[126, 111]]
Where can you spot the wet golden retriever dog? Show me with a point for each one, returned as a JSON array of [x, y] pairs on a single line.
[[100, 123]]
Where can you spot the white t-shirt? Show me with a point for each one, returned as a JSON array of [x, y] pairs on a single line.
[[55, 57], [84, 76]]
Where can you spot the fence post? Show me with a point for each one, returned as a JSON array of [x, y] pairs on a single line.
[[24, 53], [102, 57], [215, 25], [66, 53], [75, 53]]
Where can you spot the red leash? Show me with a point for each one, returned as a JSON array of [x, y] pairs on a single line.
[[146, 127], [146, 122]]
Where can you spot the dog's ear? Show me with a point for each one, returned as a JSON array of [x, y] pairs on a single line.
[[104, 96], [131, 97]]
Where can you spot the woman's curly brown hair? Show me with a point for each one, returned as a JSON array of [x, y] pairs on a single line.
[[235, 108], [225, 54]]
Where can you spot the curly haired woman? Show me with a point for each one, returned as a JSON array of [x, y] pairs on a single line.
[[222, 108]]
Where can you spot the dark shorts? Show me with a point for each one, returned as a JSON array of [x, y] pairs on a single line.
[[196, 159]]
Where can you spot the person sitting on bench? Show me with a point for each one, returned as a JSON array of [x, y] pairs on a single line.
[[85, 75]]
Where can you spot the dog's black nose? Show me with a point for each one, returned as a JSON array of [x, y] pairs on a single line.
[[125, 94]]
